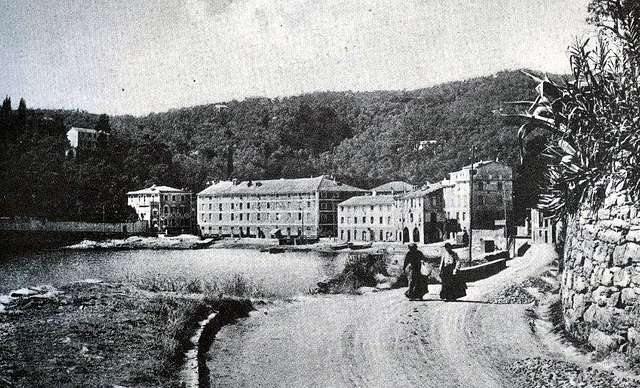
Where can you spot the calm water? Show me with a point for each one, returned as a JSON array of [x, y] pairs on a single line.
[[285, 274]]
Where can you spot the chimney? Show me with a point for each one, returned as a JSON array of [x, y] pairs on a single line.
[[235, 181]]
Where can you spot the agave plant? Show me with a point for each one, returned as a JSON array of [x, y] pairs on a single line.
[[592, 121]]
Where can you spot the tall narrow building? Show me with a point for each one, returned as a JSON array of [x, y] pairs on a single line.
[[492, 195]]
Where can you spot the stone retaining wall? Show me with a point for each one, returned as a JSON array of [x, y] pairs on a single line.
[[601, 279]]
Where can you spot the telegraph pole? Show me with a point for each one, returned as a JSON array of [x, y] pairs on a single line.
[[471, 173]]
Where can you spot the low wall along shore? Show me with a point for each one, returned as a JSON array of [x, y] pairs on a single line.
[[42, 225], [601, 279]]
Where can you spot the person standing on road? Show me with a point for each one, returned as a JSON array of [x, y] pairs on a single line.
[[465, 237], [453, 287], [417, 282]]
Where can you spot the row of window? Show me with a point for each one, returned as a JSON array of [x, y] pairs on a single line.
[[323, 195], [259, 197], [264, 217], [433, 201], [247, 216], [367, 235], [249, 231], [413, 202], [258, 205], [351, 209], [144, 198], [364, 220]]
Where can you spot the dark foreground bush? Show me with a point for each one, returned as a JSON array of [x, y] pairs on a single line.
[[360, 270]]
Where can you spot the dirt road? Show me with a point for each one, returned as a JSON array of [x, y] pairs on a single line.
[[382, 339]]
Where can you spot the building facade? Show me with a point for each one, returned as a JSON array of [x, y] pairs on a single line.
[[166, 209], [543, 229], [294, 208], [434, 213], [367, 218], [82, 139], [492, 195], [421, 216]]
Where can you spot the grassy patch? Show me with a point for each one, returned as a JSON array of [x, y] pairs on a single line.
[[101, 335], [235, 285]]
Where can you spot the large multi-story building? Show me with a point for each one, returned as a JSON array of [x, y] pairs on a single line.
[[436, 212], [367, 218], [166, 209], [492, 195], [421, 215], [415, 216], [295, 208]]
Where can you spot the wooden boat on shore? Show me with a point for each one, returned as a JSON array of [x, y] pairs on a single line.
[[354, 246], [337, 247], [206, 243], [273, 250]]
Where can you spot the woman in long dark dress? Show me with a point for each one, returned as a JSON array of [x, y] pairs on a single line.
[[418, 283], [453, 286]]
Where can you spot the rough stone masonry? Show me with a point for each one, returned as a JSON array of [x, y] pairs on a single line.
[[601, 280]]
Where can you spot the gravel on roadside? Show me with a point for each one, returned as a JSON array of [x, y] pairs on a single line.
[[540, 372]]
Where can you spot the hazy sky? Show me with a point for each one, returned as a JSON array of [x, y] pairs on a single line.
[[138, 56]]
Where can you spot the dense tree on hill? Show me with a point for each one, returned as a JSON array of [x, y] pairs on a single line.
[[103, 123], [21, 116], [6, 127], [361, 138]]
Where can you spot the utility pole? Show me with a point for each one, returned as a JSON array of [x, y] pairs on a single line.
[[471, 173]]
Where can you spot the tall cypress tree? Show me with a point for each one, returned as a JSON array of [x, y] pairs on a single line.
[[21, 119], [6, 131], [103, 123]]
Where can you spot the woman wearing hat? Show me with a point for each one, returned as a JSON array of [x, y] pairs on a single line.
[[417, 282]]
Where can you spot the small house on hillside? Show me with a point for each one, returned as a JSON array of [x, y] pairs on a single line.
[[82, 139]]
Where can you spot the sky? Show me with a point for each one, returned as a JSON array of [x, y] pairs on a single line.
[[140, 56]]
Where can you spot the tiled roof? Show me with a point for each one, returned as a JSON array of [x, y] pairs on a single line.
[[157, 189], [278, 186], [428, 190], [395, 186], [366, 200]]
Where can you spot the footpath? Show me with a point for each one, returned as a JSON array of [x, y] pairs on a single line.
[[381, 340]]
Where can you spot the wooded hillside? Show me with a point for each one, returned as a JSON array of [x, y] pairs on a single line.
[[361, 138]]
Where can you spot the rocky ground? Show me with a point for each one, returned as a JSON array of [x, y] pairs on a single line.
[[183, 241], [540, 372], [583, 370], [96, 334], [531, 290]]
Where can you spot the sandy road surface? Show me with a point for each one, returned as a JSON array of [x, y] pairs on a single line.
[[382, 339]]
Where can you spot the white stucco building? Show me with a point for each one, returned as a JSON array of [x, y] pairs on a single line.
[[166, 209], [367, 218], [294, 208]]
